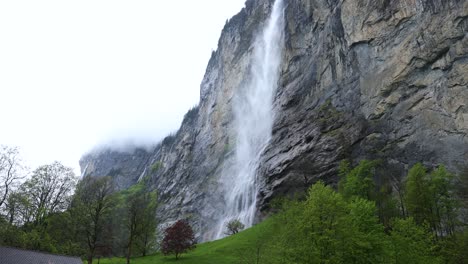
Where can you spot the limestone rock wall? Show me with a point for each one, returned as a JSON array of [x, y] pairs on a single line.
[[359, 79]]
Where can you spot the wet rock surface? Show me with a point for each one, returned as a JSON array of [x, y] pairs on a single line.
[[372, 79]]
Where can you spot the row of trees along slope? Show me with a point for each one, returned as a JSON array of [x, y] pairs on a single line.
[[49, 209], [370, 218]]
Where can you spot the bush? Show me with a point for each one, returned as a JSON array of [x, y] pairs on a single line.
[[234, 226]]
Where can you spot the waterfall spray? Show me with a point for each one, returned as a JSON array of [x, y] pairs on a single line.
[[253, 122]]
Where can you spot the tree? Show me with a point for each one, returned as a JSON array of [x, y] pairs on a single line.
[[148, 224], [62, 228], [326, 228], [359, 181], [234, 226], [417, 194], [178, 239], [461, 192], [92, 204], [430, 199], [19, 209], [444, 202], [140, 219], [10, 170], [49, 190], [11, 207], [398, 185], [411, 243]]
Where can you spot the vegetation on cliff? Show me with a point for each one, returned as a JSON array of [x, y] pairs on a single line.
[[369, 218], [352, 225]]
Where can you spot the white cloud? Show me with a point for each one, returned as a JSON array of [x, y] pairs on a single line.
[[74, 74]]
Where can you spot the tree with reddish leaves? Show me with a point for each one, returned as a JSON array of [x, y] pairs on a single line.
[[178, 239]]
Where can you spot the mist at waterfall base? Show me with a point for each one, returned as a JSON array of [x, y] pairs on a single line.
[[253, 122]]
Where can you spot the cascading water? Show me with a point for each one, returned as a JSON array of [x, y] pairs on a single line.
[[253, 122], [84, 171]]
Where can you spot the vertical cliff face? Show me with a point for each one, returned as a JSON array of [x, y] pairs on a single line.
[[369, 79], [359, 79]]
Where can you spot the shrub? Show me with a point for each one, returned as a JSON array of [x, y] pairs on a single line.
[[234, 226]]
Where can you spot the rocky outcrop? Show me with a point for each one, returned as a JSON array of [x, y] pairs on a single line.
[[125, 166], [359, 79], [369, 79]]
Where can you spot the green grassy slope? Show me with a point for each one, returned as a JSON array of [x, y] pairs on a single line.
[[233, 249]]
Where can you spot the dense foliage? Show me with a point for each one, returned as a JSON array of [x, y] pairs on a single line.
[[50, 210], [344, 226], [364, 222], [372, 217], [178, 239]]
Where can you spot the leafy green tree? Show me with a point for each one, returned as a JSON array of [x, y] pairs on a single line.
[[453, 248], [387, 205], [92, 205], [326, 228], [48, 190], [234, 226], [359, 181], [139, 207], [366, 240], [444, 202], [146, 241], [430, 199], [62, 228], [28, 208], [20, 209], [412, 243], [417, 194], [12, 207]]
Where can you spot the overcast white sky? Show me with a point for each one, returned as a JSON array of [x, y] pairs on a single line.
[[75, 74]]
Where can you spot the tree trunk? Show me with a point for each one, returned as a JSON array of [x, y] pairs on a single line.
[[129, 252], [90, 259], [12, 216]]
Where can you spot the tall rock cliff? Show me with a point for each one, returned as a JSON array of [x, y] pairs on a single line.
[[374, 79]]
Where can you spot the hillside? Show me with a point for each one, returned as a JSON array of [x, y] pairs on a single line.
[[232, 249]]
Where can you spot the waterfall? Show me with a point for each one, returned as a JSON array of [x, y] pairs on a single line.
[[253, 123], [83, 173], [142, 175]]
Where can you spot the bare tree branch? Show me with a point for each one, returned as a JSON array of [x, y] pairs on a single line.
[[10, 171]]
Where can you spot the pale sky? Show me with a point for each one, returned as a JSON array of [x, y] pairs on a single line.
[[76, 74]]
